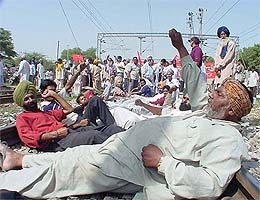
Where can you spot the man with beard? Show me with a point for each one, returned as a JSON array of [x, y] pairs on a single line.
[[193, 156], [225, 55], [44, 130]]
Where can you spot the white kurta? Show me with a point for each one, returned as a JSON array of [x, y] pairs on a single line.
[[201, 156], [228, 61]]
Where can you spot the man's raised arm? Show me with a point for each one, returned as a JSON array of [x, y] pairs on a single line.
[[195, 86]]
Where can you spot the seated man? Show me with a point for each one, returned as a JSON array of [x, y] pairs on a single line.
[[143, 89], [44, 130], [91, 108], [48, 84], [118, 91], [160, 101], [194, 156]]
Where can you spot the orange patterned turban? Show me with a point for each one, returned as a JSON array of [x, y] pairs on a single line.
[[238, 97]]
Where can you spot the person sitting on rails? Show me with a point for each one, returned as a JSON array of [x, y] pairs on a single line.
[[90, 107], [45, 131], [95, 104], [194, 156], [50, 104], [143, 89]]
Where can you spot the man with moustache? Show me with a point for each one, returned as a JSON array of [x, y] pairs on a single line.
[[192, 157], [224, 56], [44, 130]]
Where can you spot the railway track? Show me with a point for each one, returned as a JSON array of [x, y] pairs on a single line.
[[6, 91], [244, 186], [6, 98]]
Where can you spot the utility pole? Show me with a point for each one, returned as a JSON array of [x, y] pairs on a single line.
[[58, 50], [200, 18], [190, 22], [140, 45], [67, 52]]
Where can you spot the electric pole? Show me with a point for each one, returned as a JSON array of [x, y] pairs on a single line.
[[200, 18], [58, 50], [190, 22]]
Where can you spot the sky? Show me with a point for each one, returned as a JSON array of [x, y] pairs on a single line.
[[38, 25]]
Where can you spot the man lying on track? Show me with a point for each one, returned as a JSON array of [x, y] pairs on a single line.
[[194, 156], [45, 131]]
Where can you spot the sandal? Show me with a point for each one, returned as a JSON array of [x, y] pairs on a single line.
[[3, 153]]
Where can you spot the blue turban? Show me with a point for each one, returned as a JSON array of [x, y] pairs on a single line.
[[223, 29]]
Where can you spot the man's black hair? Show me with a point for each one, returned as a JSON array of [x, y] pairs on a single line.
[[80, 95], [47, 82], [163, 60], [167, 87], [143, 80]]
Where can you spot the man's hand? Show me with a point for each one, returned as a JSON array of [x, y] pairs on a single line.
[[49, 94], [151, 155], [82, 66], [176, 38], [177, 42], [139, 102], [62, 132], [83, 122]]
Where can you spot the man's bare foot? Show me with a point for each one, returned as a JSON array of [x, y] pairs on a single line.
[[12, 159]]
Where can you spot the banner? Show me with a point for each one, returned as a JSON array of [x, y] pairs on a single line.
[[210, 70]]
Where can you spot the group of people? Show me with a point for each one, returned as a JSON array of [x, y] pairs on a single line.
[[166, 157]]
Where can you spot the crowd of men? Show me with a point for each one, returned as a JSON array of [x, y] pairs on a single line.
[[186, 150]]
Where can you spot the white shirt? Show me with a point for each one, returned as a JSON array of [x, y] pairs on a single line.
[[40, 70], [148, 72], [32, 69], [171, 68], [133, 70], [253, 78], [1, 73], [173, 82], [24, 70]]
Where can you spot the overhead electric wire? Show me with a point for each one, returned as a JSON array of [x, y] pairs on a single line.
[[223, 15], [95, 17], [69, 24], [150, 22], [211, 17], [243, 41], [96, 10], [245, 30], [244, 34], [97, 26], [104, 20], [91, 16]]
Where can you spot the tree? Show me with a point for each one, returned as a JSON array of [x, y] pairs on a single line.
[[209, 59], [6, 43], [48, 64], [67, 53], [251, 56], [89, 53]]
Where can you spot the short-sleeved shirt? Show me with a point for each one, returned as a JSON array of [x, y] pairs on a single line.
[[196, 55]]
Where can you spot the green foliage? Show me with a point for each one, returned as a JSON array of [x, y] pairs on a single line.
[[6, 43], [209, 59], [89, 53], [251, 56], [48, 64]]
